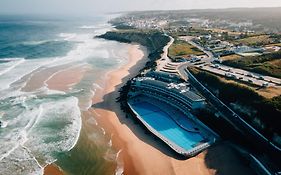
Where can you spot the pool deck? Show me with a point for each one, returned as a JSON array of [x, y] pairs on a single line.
[[186, 136]]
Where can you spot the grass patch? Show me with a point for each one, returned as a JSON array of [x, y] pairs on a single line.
[[269, 92], [270, 67], [230, 57], [183, 49], [259, 40], [268, 64], [249, 104]]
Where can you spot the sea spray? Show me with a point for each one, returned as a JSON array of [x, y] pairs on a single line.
[[44, 125]]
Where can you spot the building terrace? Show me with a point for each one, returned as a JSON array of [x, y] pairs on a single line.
[[165, 110]]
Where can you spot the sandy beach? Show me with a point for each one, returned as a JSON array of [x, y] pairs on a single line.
[[141, 152]]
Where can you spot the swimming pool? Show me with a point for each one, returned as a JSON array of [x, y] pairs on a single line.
[[166, 126]]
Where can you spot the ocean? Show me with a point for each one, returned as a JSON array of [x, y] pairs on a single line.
[[40, 124]]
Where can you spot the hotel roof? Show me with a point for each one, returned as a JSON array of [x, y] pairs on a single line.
[[162, 74], [181, 88]]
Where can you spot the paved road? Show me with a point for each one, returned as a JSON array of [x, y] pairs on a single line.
[[208, 53], [230, 72], [241, 75], [234, 119], [230, 116], [165, 59]]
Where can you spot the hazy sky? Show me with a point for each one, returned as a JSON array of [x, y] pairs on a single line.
[[88, 7]]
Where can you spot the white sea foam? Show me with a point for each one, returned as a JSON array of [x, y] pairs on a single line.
[[86, 100], [11, 72], [34, 129], [86, 48], [3, 124], [32, 43], [120, 164], [44, 122], [60, 124], [20, 162], [19, 70], [11, 64], [103, 131], [88, 27], [68, 36], [96, 86], [20, 127]]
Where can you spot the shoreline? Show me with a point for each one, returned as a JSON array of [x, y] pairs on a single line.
[[112, 78], [107, 112], [140, 151]]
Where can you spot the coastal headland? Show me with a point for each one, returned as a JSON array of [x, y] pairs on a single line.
[[169, 92]]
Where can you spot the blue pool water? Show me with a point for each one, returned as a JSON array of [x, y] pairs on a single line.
[[166, 126]]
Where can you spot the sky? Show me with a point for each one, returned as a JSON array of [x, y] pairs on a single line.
[[88, 7]]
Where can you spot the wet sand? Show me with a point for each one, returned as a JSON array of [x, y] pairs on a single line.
[[60, 78], [52, 169], [63, 80]]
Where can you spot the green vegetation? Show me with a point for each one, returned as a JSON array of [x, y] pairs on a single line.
[[183, 49], [191, 31], [154, 41], [264, 114], [259, 40], [268, 64]]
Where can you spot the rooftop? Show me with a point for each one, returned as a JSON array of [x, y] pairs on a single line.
[[182, 88]]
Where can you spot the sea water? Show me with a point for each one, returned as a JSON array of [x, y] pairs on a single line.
[[44, 125]]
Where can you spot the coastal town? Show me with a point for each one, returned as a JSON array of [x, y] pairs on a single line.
[[236, 55], [151, 87]]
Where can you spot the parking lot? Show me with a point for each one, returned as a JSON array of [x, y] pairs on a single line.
[[239, 74]]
